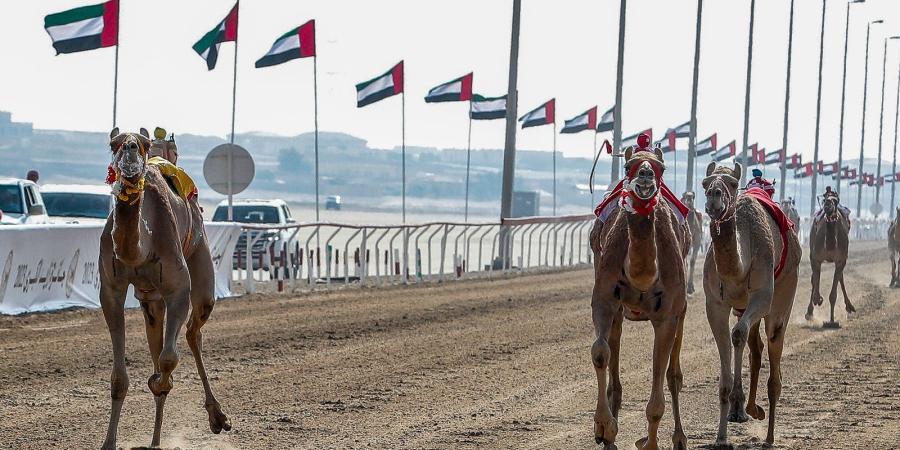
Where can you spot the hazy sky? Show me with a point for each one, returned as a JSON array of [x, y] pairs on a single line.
[[568, 51]]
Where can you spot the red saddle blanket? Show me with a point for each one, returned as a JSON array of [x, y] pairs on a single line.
[[784, 222]]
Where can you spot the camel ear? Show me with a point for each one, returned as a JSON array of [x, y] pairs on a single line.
[[737, 171], [145, 133], [113, 133], [706, 181], [628, 152], [710, 168], [658, 152]]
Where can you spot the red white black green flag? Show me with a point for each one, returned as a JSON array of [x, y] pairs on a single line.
[[84, 28], [381, 87], [226, 31], [297, 43]]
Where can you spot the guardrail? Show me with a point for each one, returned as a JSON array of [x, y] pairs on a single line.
[[326, 254]]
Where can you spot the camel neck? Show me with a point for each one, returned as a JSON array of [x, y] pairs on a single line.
[[640, 264], [127, 232], [727, 251]]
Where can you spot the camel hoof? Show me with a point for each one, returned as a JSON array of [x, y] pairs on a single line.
[[679, 442], [819, 301], [850, 308], [738, 417], [722, 446], [218, 421], [605, 432], [606, 445], [756, 412], [154, 384], [809, 314]]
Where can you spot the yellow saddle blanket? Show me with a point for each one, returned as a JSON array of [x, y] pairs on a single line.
[[184, 185]]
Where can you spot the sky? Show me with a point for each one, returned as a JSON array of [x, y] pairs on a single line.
[[567, 51]]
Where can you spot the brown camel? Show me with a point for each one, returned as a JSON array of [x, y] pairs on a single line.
[[740, 275], [695, 225], [787, 205], [639, 275], [155, 241], [894, 247], [829, 241]]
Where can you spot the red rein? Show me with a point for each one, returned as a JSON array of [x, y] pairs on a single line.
[[631, 202]]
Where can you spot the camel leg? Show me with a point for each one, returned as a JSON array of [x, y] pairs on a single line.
[[614, 390], [605, 425], [690, 280], [675, 379], [775, 331], [154, 312], [664, 339], [847, 305], [717, 313], [760, 299], [832, 297], [113, 303], [177, 305], [814, 297], [756, 347], [893, 269], [202, 303]]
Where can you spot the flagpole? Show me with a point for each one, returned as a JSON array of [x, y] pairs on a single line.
[[590, 188], [815, 176], [692, 139], [116, 69], [233, 109], [554, 162], [787, 103], [316, 127], [747, 94], [403, 147], [468, 161], [894, 164]]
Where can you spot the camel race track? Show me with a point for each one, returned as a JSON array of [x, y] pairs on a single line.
[[501, 363]]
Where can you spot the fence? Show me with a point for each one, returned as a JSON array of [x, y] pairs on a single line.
[[326, 254]]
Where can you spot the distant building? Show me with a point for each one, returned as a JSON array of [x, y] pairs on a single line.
[[13, 131], [526, 204]]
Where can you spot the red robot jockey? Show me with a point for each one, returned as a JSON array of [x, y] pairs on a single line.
[[759, 182]]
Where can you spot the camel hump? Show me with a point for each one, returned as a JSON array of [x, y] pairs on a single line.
[[176, 177]]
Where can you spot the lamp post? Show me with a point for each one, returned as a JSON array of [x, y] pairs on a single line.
[[843, 98], [862, 143], [881, 118]]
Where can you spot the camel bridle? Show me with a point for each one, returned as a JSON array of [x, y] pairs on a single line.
[[727, 200], [632, 202], [834, 215], [131, 191]]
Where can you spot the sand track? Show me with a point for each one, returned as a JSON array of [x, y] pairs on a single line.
[[477, 364]]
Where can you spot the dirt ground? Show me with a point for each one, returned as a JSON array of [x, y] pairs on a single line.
[[476, 364]]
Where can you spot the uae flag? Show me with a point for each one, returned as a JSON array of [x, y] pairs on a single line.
[[297, 43], [773, 157], [606, 121], [458, 90], [794, 161], [848, 174], [683, 130], [380, 87], [667, 143], [226, 31], [542, 115], [487, 108], [84, 28], [584, 121], [804, 171], [728, 151], [827, 169], [632, 140], [706, 146]]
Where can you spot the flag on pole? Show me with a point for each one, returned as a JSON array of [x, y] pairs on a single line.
[[297, 43], [848, 174], [542, 115], [683, 130], [728, 151], [773, 157], [794, 161], [806, 170], [487, 108], [226, 31], [827, 169], [667, 143], [584, 121], [458, 90], [632, 140], [84, 28], [606, 121], [706, 146], [381, 87]]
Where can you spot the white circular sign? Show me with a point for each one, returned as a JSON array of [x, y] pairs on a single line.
[[876, 209], [215, 169]]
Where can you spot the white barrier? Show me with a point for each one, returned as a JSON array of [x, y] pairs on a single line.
[[47, 267]]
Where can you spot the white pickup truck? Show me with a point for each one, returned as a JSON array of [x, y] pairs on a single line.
[[21, 203]]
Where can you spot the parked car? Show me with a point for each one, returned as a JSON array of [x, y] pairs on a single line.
[[78, 203], [333, 202], [21, 203], [262, 212]]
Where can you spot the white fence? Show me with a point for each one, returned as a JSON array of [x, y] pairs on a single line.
[[326, 254]]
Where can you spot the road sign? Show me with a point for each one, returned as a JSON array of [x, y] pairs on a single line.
[[876, 209], [228, 169]]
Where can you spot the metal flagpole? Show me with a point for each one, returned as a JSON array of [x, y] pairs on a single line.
[[843, 97], [116, 69], [815, 176], [617, 111], [894, 165], [316, 127], [554, 162], [233, 109], [881, 121], [862, 143], [403, 146], [509, 147], [747, 94], [468, 162], [787, 104], [692, 140]]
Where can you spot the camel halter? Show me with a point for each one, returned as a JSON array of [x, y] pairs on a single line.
[[727, 199], [831, 218], [629, 199], [129, 189]]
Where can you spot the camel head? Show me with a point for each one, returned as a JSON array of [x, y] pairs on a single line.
[[688, 199], [643, 175], [130, 152], [721, 185], [830, 207]]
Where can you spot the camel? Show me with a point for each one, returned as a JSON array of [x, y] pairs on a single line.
[[695, 224], [639, 275], [894, 247], [829, 241], [741, 275], [155, 241], [787, 205]]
